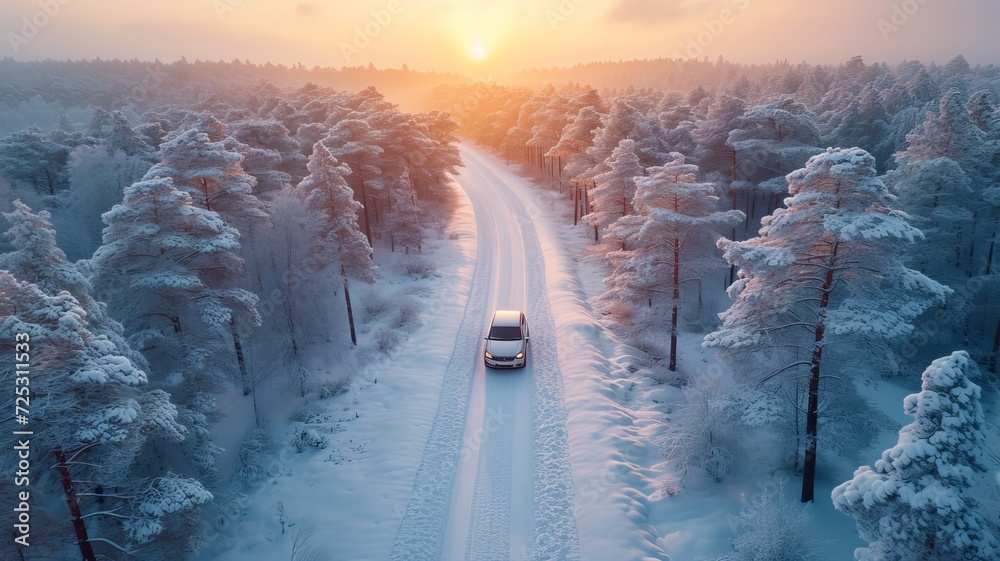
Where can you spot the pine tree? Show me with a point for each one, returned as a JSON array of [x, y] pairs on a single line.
[[211, 174], [121, 136], [578, 134], [612, 197], [945, 180], [37, 259], [353, 143], [916, 503], [29, 159], [89, 401], [85, 389], [826, 267], [711, 133], [185, 261], [669, 241], [326, 190]]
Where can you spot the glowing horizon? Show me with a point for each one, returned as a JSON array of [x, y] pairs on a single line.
[[492, 38]]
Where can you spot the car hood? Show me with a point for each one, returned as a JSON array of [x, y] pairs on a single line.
[[504, 348]]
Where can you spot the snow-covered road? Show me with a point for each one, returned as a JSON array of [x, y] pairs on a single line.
[[498, 445], [432, 457]]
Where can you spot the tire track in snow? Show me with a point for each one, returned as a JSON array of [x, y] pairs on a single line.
[[554, 532], [421, 532], [488, 535], [551, 533]]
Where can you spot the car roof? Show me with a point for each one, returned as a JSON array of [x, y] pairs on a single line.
[[507, 318]]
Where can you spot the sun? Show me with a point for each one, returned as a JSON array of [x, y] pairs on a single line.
[[477, 51]]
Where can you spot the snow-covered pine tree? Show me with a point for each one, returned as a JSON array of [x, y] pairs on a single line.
[[211, 174], [352, 142], [712, 153], [341, 241], [612, 198], [441, 157], [576, 137], [669, 241], [768, 142], [185, 261], [199, 163], [269, 135], [262, 164], [38, 260], [87, 399], [405, 221], [184, 258], [916, 503], [773, 139], [626, 119], [945, 181], [863, 123], [121, 136], [826, 267], [28, 159]]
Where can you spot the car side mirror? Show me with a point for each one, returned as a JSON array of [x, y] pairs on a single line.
[[487, 338]]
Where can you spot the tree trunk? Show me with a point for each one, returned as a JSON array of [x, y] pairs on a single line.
[[244, 377], [798, 431], [253, 397], [996, 349], [350, 313], [48, 178], [204, 189], [812, 410], [82, 539], [676, 301], [576, 204], [368, 224], [989, 257]]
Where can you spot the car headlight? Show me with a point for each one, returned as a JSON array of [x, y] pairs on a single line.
[[520, 355], [488, 355]]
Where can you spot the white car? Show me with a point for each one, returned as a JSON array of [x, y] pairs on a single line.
[[507, 341]]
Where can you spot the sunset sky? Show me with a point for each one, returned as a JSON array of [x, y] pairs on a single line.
[[495, 37]]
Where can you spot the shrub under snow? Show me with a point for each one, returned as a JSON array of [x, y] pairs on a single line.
[[772, 529]]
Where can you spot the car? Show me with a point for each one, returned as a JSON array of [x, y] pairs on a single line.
[[507, 341]]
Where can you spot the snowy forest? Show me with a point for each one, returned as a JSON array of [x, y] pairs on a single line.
[[821, 229], [163, 259], [801, 260]]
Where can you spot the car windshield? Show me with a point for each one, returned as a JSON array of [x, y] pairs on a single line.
[[505, 333]]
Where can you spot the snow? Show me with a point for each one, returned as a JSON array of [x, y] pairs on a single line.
[[429, 453], [360, 485], [429, 456]]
